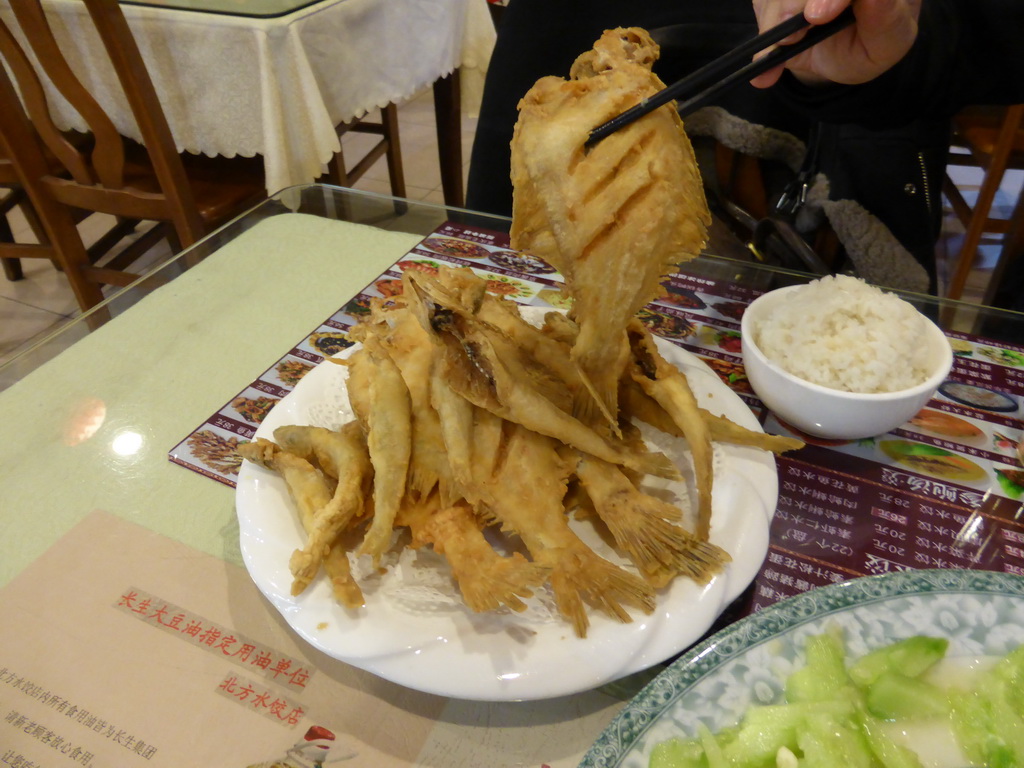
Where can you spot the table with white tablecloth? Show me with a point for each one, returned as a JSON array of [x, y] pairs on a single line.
[[278, 87]]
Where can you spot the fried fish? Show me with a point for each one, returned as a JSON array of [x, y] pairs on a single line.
[[343, 455], [311, 493], [613, 219]]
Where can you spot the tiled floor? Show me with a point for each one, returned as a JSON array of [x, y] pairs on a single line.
[[34, 307]]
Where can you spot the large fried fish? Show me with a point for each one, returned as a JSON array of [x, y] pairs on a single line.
[[613, 219]]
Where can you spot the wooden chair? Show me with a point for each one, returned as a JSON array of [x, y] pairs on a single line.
[[152, 181], [448, 122], [389, 145], [12, 251], [740, 199], [994, 140]]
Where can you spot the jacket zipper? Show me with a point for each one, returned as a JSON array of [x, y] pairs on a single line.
[[925, 181]]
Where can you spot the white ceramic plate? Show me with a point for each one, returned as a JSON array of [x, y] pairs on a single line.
[[980, 612], [415, 632]]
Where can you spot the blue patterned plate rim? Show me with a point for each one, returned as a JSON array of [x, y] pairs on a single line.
[[662, 692]]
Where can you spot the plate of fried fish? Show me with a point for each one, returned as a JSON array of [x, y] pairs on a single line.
[[521, 560], [491, 502]]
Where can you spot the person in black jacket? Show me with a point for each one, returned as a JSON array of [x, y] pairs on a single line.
[[904, 63], [874, 102]]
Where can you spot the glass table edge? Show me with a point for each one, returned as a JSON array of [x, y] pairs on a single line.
[[297, 199]]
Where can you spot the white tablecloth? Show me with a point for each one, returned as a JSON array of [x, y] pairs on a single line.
[[277, 87]]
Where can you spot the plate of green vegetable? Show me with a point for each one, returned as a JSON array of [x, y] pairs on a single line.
[[915, 669]]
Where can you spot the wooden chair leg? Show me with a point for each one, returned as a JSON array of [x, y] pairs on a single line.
[[448, 117], [1008, 265], [71, 255], [972, 239], [337, 174], [13, 270], [12, 267], [740, 180], [396, 174]]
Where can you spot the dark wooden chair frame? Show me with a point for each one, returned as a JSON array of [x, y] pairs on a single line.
[[104, 176]]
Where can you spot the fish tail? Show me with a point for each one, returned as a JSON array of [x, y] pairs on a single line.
[[422, 480], [502, 581], [304, 567], [602, 364], [701, 560], [570, 602], [339, 571], [581, 576], [657, 464], [644, 528], [662, 550]]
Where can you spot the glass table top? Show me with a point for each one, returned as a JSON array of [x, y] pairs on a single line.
[[100, 410], [254, 8]]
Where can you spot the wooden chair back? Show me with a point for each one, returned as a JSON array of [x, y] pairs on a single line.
[[66, 178], [61, 241], [95, 179], [994, 140]]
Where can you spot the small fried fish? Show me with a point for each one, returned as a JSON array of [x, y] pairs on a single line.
[[412, 350], [311, 494], [486, 579], [637, 404], [526, 497], [390, 444], [486, 373], [344, 456], [668, 386], [647, 528]]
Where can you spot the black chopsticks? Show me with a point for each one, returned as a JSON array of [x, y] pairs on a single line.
[[716, 77]]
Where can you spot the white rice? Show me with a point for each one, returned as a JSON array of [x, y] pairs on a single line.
[[842, 333]]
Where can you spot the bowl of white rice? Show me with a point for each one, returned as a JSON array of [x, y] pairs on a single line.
[[841, 359]]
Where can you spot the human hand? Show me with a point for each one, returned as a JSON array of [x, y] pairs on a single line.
[[883, 33]]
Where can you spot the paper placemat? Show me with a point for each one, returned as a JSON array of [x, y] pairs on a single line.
[[132, 649]]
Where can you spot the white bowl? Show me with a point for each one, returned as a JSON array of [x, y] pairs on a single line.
[[833, 413]]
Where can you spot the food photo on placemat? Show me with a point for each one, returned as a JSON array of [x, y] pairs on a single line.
[[978, 396]]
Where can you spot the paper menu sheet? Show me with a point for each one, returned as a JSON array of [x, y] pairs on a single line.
[[130, 649], [956, 461], [124, 648]]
